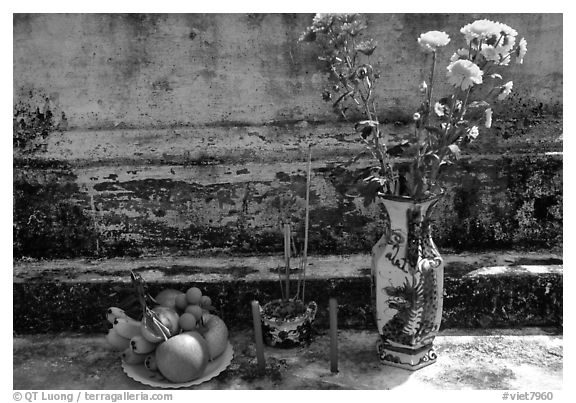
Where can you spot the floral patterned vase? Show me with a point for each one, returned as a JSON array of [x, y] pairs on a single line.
[[407, 285], [288, 333]]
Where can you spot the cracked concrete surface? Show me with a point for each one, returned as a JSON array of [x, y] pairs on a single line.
[[522, 359]]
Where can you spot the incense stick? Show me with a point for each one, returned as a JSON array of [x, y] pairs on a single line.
[[306, 221]]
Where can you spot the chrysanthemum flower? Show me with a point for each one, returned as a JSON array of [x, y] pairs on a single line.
[[508, 36], [321, 21], [431, 40], [498, 55], [416, 116], [480, 29], [461, 53], [464, 74], [488, 117], [521, 51], [439, 109], [505, 90]]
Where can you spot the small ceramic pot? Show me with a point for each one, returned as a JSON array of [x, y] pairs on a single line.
[[287, 333]]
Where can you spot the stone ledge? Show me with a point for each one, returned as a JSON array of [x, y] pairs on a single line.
[[490, 290]]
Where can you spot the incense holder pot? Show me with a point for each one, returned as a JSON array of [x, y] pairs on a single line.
[[407, 285], [287, 324]]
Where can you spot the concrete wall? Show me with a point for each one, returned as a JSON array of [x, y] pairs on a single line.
[[163, 70], [188, 133]]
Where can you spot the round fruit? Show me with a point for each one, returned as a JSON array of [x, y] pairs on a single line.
[[183, 357], [168, 297], [205, 301], [187, 321], [215, 332], [168, 317], [195, 310], [181, 301], [193, 295]]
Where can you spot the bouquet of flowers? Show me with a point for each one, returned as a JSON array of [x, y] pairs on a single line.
[[442, 124]]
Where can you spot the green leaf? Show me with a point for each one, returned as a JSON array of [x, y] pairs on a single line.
[[434, 129]]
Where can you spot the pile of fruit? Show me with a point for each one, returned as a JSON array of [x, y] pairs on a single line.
[[177, 336]]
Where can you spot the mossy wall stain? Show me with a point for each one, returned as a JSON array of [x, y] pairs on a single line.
[[511, 202], [150, 70], [47, 306]]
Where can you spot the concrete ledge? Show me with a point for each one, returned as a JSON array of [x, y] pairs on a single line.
[[486, 290], [521, 359]]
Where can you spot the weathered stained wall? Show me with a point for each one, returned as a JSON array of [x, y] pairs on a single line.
[[155, 70], [147, 134]]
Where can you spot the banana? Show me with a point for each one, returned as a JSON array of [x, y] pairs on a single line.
[[115, 312], [140, 345], [117, 342], [130, 357], [127, 328], [150, 362]]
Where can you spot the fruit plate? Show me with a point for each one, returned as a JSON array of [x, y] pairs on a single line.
[[143, 375]]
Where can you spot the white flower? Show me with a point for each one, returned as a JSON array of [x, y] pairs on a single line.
[[431, 40], [439, 109], [490, 53], [464, 74], [481, 30], [416, 116], [488, 116], [462, 53], [322, 21], [508, 37], [473, 132], [505, 90], [423, 87], [521, 51]]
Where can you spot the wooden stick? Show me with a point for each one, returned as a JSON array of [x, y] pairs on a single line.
[[258, 335], [333, 335], [307, 219], [287, 257]]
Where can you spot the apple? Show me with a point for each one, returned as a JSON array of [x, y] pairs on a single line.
[[215, 332], [168, 297], [183, 357], [168, 317]]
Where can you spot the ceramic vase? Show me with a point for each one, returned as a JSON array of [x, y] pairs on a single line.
[[291, 332], [407, 285]]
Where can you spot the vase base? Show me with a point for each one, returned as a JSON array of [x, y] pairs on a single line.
[[405, 358]]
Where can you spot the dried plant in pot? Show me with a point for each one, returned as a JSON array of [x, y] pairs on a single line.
[[287, 322], [407, 269]]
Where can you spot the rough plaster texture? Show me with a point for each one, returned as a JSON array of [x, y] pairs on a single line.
[[168, 69], [185, 134]]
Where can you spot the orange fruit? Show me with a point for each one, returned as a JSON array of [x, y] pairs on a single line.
[[195, 310], [187, 321], [168, 297], [193, 295], [181, 301]]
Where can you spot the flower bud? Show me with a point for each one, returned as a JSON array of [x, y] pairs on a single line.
[[423, 87]]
